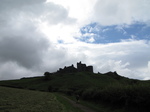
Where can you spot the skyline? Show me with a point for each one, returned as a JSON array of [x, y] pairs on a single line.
[[43, 35]]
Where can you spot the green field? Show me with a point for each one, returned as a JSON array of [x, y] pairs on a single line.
[[17, 100]]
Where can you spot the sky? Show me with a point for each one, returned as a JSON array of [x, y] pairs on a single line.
[[44, 35]]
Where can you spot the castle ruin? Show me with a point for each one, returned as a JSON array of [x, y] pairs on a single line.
[[83, 68], [80, 68]]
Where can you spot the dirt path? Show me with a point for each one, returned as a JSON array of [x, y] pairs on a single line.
[[78, 105]]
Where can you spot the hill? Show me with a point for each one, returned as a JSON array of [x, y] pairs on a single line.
[[69, 81], [109, 88]]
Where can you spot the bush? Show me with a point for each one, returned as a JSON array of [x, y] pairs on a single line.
[[129, 96], [47, 76]]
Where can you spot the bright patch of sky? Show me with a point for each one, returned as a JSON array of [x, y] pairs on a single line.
[[95, 33]]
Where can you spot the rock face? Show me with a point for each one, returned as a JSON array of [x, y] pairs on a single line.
[[80, 68]]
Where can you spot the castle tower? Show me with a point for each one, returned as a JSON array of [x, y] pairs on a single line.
[[81, 67]]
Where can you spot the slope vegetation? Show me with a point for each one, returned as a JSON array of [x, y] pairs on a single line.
[[17, 100], [108, 88]]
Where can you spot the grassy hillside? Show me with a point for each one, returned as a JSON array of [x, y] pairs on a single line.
[[71, 81], [16, 100], [109, 88], [19, 100]]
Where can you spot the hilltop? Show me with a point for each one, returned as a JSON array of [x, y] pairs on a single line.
[[108, 88]]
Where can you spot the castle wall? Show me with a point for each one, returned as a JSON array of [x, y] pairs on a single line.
[[69, 69], [80, 68], [89, 69]]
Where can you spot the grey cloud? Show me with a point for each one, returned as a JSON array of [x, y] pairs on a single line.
[[55, 14], [20, 40], [15, 11], [134, 52], [114, 12], [58, 57], [26, 51], [128, 58], [37, 10], [17, 4], [53, 59], [22, 48], [11, 70]]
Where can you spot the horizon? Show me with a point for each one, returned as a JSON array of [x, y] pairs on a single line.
[[44, 35], [66, 72]]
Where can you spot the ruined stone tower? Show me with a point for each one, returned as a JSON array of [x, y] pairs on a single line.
[[83, 68]]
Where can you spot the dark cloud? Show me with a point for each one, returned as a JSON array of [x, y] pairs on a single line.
[[20, 39], [26, 51]]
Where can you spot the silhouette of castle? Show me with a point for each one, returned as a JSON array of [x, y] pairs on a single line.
[[80, 68], [83, 68]]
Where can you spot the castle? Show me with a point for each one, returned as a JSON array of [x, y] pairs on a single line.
[[80, 68]]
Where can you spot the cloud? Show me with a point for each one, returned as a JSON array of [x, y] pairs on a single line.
[[22, 47], [106, 12], [114, 12], [26, 51], [11, 70], [33, 10], [129, 58], [39, 35]]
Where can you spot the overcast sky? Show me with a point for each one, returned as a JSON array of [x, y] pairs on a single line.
[[38, 36]]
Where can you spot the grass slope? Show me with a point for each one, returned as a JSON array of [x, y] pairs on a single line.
[[109, 88], [17, 100], [70, 81]]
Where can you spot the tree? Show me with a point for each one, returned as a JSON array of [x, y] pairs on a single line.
[[47, 76]]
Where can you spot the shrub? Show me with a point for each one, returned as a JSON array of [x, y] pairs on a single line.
[[47, 76], [128, 96]]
